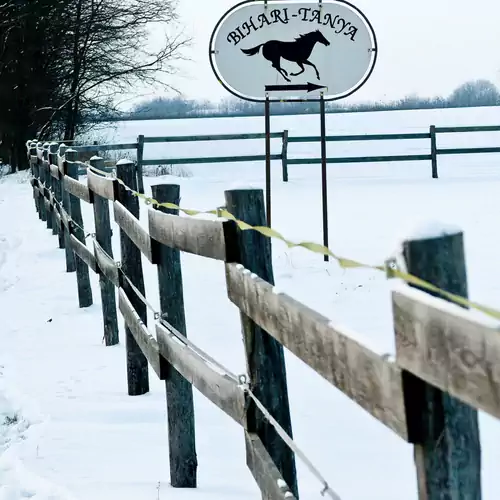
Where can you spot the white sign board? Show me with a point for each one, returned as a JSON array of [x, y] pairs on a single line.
[[289, 51]]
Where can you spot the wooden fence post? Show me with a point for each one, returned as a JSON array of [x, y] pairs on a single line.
[[53, 147], [432, 131], [48, 183], [137, 364], [70, 256], [57, 183], [41, 172], [445, 430], [284, 156], [34, 172], [82, 270], [265, 357], [140, 156], [103, 236], [180, 407]]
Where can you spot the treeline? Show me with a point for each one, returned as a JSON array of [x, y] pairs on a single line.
[[470, 94], [63, 61]]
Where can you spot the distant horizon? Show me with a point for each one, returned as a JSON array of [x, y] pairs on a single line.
[[341, 102]]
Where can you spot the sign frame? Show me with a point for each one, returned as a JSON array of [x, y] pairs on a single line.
[[269, 98]]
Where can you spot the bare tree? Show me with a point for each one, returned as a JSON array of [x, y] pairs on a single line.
[[107, 53]]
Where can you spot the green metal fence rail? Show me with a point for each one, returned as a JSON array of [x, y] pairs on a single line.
[[431, 135]]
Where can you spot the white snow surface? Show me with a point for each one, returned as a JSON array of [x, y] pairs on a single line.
[[68, 429]]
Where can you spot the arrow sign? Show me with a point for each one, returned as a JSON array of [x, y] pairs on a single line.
[[284, 88]]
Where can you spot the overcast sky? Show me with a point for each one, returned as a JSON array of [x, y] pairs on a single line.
[[426, 46]]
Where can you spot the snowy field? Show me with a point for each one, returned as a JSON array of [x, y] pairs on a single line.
[[67, 427]]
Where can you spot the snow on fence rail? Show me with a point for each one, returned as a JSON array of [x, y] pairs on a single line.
[[446, 362], [283, 155]]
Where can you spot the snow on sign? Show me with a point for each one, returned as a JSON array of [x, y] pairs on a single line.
[[286, 50]]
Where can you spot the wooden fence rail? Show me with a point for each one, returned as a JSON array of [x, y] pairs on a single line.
[[283, 155], [444, 369]]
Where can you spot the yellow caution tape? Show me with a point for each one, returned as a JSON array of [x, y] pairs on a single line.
[[319, 249]]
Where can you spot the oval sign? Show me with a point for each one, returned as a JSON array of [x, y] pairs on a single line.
[[293, 51]]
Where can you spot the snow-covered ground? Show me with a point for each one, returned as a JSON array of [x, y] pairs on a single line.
[[68, 428]]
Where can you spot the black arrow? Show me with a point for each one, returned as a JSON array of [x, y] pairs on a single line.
[[309, 87]]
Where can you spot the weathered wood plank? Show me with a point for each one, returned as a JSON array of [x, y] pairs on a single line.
[[210, 138], [104, 147], [209, 159], [366, 378], [197, 236], [102, 186], [76, 188], [147, 343], [447, 348], [364, 137], [477, 128], [263, 469], [54, 171], [83, 252], [133, 229], [221, 389], [106, 265], [360, 159]]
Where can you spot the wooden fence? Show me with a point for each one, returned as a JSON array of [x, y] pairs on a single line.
[[283, 155], [446, 363]]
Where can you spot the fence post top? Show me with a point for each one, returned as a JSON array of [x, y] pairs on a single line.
[[432, 230], [96, 161], [71, 154], [244, 189], [124, 161]]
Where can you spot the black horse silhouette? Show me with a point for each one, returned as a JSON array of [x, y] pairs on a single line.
[[298, 52]]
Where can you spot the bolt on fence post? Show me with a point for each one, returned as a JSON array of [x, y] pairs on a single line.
[[445, 430], [137, 364], [82, 269], [180, 406], [265, 356]]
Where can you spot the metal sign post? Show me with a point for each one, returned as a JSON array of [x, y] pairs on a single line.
[[324, 180], [267, 119], [293, 51]]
